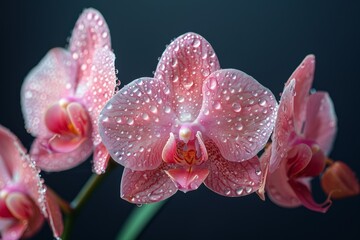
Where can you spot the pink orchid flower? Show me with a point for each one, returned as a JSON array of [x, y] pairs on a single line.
[[24, 200], [303, 135], [192, 123], [63, 96]]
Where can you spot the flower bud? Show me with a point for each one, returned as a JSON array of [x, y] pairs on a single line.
[[340, 181]]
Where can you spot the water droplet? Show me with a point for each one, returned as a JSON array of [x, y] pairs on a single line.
[[239, 191], [187, 85], [239, 127], [262, 102], [153, 109], [105, 119], [206, 72], [104, 34], [236, 107], [145, 116], [196, 43], [109, 106], [141, 149], [181, 99], [217, 105], [167, 109], [258, 172], [130, 121], [213, 83], [175, 79], [174, 62], [248, 189], [227, 192]]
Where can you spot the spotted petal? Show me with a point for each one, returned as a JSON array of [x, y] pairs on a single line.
[[52, 79], [135, 124], [284, 127], [320, 125], [183, 66], [238, 113], [90, 33], [231, 179], [303, 75], [147, 186]]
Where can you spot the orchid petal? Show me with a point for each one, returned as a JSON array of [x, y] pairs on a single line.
[[278, 189], [183, 66], [238, 114], [101, 159], [320, 124], [298, 159], [147, 186], [264, 164], [10, 161], [59, 161], [303, 75], [65, 143], [54, 213], [14, 232], [98, 88], [79, 119], [136, 122], [90, 33], [20, 206], [52, 79], [304, 195], [169, 150], [231, 179], [284, 127], [187, 180], [56, 119]]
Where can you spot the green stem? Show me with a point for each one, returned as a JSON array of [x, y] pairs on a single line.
[[83, 196], [138, 220]]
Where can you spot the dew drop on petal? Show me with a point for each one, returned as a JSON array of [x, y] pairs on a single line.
[[236, 107], [239, 191], [196, 43]]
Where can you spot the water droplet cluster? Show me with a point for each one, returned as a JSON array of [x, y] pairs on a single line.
[[90, 33], [231, 179], [146, 186], [184, 65], [135, 124], [238, 113]]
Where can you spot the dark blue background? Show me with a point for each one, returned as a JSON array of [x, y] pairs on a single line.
[[266, 39]]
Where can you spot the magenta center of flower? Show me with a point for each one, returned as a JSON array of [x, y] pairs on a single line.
[[69, 123]]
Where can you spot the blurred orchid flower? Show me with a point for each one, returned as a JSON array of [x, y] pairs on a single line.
[[24, 200], [62, 97], [192, 123], [340, 181], [303, 135]]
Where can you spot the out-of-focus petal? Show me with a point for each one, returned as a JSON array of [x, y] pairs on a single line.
[[284, 127], [53, 161], [90, 33], [54, 214], [231, 179], [320, 123], [147, 186], [340, 181], [10, 160], [100, 159], [303, 75], [278, 189], [304, 195], [98, 88], [238, 113], [183, 66], [52, 79], [135, 124], [298, 158], [14, 232], [186, 180]]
